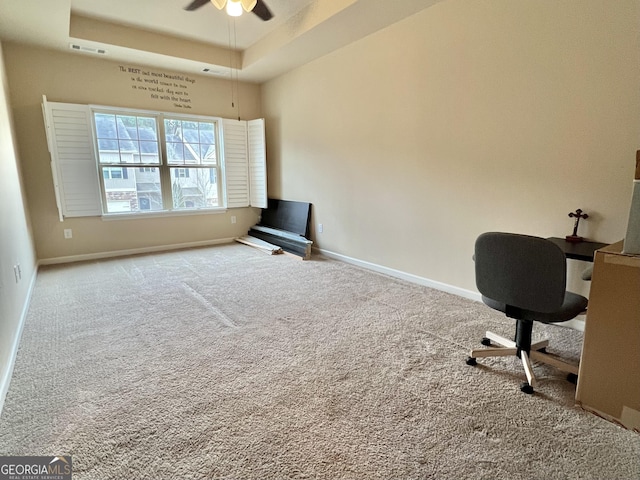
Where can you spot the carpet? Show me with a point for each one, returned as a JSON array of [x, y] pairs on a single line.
[[227, 363]]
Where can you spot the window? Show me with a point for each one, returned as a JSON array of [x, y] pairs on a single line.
[[106, 160], [145, 203], [180, 152], [192, 144], [112, 173]]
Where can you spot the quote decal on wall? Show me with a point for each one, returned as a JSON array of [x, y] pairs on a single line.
[[161, 86]]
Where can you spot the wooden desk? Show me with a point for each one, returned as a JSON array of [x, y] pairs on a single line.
[[609, 375], [578, 251]]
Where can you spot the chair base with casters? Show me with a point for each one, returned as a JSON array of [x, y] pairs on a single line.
[[524, 277], [537, 353]]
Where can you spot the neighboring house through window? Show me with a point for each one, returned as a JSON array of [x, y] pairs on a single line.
[[162, 147], [112, 173]]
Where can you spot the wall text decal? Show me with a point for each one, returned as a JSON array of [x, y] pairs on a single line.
[[161, 86]]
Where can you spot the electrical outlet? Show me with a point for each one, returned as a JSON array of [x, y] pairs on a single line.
[[233, 219], [320, 228], [68, 233]]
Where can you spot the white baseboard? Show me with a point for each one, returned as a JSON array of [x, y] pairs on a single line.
[[461, 292], [8, 373], [132, 251]]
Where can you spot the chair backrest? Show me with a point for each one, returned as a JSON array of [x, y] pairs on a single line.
[[521, 271]]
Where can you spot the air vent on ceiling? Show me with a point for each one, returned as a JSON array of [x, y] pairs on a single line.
[[216, 71], [83, 48]]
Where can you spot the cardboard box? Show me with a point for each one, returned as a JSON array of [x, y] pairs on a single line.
[[609, 375]]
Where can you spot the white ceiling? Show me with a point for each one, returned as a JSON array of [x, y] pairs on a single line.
[[160, 33], [207, 24]]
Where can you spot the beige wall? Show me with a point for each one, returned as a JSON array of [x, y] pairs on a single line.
[[16, 246], [470, 116], [80, 78]]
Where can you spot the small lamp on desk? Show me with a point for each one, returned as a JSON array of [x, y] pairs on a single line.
[[574, 238]]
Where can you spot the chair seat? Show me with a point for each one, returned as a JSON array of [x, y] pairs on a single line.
[[572, 306]]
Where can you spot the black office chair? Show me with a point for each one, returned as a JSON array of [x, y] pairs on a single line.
[[524, 277]]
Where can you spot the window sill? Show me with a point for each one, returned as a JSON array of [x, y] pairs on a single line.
[[162, 214]]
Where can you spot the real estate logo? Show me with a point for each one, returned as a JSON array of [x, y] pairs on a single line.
[[35, 468]]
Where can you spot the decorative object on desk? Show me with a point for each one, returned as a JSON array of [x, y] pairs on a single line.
[[574, 236], [631, 243]]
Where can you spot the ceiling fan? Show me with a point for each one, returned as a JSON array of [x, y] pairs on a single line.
[[235, 7]]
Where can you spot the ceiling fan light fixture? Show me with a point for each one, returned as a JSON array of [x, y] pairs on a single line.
[[234, 8]]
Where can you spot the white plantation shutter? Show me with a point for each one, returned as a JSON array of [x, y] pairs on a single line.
[[257, 163], [236, 168], [73, 162], [245, 163]]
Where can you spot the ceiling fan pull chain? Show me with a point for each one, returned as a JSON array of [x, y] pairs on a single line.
[[229, 20], [235, 49]]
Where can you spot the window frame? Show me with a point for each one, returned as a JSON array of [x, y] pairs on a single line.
[[164, 165], [71, 141]]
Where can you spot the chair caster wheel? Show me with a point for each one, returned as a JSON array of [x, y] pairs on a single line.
[[573, 378], [485, 341], [471, 361], [526, 388]]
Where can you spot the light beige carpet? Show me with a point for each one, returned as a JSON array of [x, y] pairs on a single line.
[[228, 363]]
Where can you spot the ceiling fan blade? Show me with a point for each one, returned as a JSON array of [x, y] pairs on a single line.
[[195, 5], [262, 11], [248, 4]]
